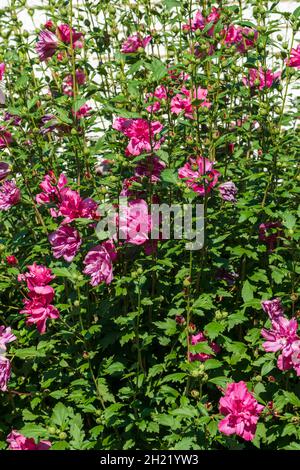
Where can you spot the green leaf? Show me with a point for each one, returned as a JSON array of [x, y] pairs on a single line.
[[36, 431], [29, 353], [170, 176], [292, 398], [212, 364], [289, 220], [158, 69], [172, 4], [32, 102], [213, 329], [204, 301], [28, 416], [220, 381], [267, 367], [296, 13], [104, 390], [247, 291], [60, 414], [177, 377]]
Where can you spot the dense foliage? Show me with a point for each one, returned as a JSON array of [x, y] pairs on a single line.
[[139, 343]]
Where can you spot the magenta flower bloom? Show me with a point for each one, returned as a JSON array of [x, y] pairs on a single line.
[[182, 102], [49, 25], [273, 308], [141, 134], [98, 263], [67, 85], [5, 138], [160, 94], [228, 191], [11, 260], [242, 38], [202, 357], [295, 358], [37, 276], [10, 195], [265, 78], [50, 123], [294, 60], [135, 222], [281, 337], [51, 188], [6, 337], [2, 70], [129, 189], [38, 308], [17, 441], [82, 112], [72, 206], [12, 118], [199, 175], [5, 370], [241, 411], [199, 21], [4, 170], [151, 167], [134, 42], [65, 242], [46, 45], [67, 35], [269, 233]]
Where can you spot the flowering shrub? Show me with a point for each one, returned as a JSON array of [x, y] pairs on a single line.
[[116, 339]]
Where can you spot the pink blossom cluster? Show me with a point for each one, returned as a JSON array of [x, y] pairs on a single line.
[[65, 242], [48, 41], [10, 195], [242, 37], [282, 336], [135, 42], [261, 78], [6, 337], [294, 59], [4, 170], [182, 102], [241, 411], [159, 94], [199, 175], [199, 21], [2, 70], [17, 441], [70, 204], [37, 304], [134, 222], [228, 191], [5, 137], [202, 357], [68, 82], [141, 134], [269, 233], [99, 263]]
